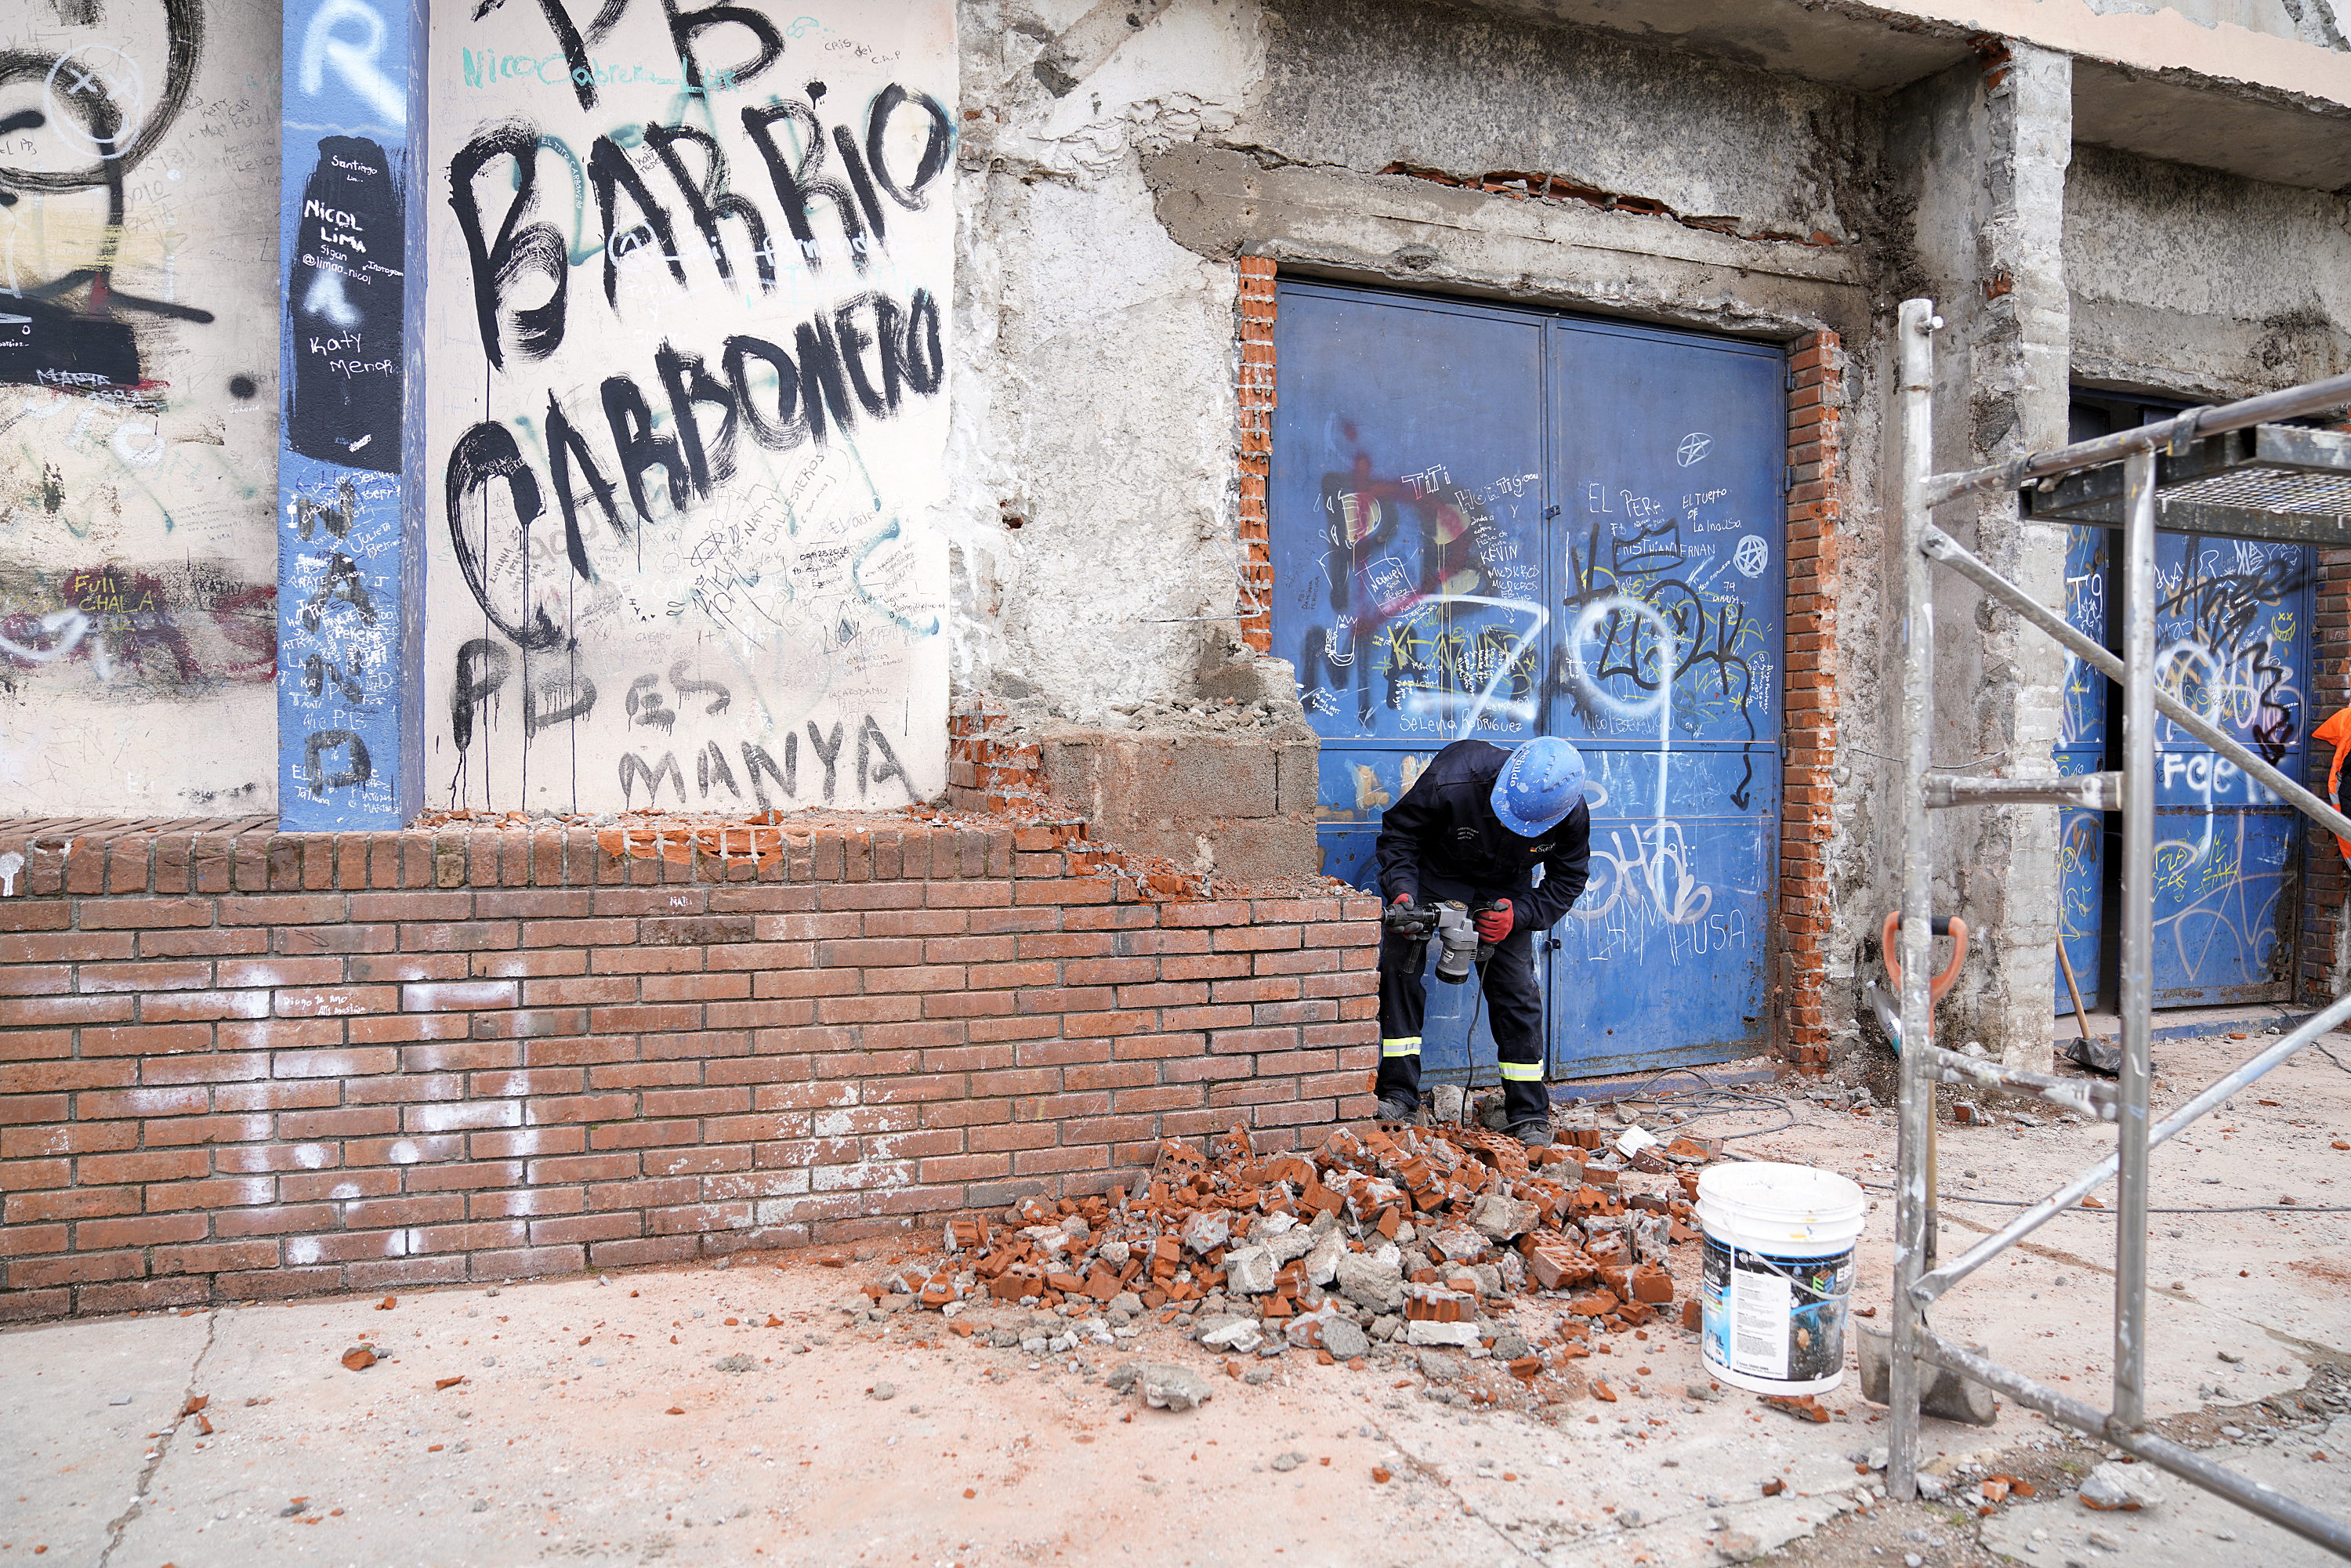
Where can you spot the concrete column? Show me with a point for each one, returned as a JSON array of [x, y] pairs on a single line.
[[1987, 144], [348, 569]]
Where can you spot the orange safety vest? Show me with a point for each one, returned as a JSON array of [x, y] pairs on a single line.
[[2336, 731]]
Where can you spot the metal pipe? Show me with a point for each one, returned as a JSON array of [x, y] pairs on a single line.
[[2095, 1100], [2138, 987], [1942, 547], [2250, 1495], [2082, 792], [1914, 1099], [2331, 1018], [2314, 397]]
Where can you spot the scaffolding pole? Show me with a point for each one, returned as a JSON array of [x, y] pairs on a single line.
[[1915, 1347]]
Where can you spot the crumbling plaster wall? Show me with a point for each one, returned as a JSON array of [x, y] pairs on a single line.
[[1117, 159], [1094, 406], [2178, 284], [1987, 145]]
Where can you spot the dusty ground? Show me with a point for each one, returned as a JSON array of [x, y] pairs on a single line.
[[597, 1421]]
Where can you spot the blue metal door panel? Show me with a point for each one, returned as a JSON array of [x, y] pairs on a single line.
[[2232, 639], [1666, 670], [1501, 523], [1407, 540], [2081, 748]]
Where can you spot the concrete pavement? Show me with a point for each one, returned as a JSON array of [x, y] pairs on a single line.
[[761, 1413]]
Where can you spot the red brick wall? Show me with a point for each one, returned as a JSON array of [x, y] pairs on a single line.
[[988, 770], [1257, 400], [1816, 486], [237, 1064]]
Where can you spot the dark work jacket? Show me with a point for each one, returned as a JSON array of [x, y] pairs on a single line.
[[1445, 827]]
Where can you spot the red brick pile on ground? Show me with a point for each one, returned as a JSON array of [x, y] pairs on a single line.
[[1413, 1236]]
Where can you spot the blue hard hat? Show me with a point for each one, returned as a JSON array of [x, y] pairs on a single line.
[[1538, 785]]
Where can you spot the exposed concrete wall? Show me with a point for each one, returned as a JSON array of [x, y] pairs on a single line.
[[2204, 285], [1094, 403], [138, 409], [1433, 85], [1989, 146], [1112, 173]]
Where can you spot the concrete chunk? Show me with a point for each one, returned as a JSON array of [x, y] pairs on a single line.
[[1501, 1219], [1250, 1271], [1168, 1388], [1370, 1280]]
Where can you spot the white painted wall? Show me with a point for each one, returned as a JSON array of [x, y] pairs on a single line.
[[758, 623], [138, 477]]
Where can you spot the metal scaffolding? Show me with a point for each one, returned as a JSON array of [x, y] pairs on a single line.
[[2215, 471]]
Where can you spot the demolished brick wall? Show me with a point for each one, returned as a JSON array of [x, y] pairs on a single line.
[[238, 1064]]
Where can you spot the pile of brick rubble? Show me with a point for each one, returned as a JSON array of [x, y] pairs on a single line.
[[1412, 1236]]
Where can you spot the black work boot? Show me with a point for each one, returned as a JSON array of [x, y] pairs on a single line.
[[1534, 1135], [1398, 1111]]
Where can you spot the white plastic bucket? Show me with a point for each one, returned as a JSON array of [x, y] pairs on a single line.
[[1779, 1274]]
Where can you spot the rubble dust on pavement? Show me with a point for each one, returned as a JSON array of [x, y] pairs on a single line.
[[803, 1408]]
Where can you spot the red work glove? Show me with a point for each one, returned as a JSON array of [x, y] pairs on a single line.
[[1495, 924], [1404, 898]]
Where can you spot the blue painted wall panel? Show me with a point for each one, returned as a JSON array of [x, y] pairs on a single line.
[[348, 660]]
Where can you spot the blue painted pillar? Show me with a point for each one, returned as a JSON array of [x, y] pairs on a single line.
[[350, 562]]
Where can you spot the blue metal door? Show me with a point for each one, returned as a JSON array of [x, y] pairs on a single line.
[[1667, 674], [2233, 634], [1501, 523], [2081, 748], [2232, 626], [1407, 503]]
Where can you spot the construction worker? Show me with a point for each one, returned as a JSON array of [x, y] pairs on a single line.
[[1473, 827]]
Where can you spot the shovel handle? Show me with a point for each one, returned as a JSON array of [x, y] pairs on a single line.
[[1945, 925]]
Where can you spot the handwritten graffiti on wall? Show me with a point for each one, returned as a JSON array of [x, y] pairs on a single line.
[[178, 632], [701, 260], [73, 328], [136, 589], [343, 503]]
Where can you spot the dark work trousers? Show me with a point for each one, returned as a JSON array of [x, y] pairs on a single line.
[[1513, 1011]]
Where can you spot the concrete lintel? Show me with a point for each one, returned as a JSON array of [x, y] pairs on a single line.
[[1397, 230]]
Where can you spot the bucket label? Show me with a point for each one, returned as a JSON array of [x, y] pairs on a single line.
[[1783, 1319]]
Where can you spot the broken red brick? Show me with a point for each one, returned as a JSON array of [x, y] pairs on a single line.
[[358, 1358], [1652, 1285], [1804, 1407], [441, 1382], [1774, 1487]]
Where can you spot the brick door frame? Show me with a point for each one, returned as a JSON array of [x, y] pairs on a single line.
[[1817, 484]]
